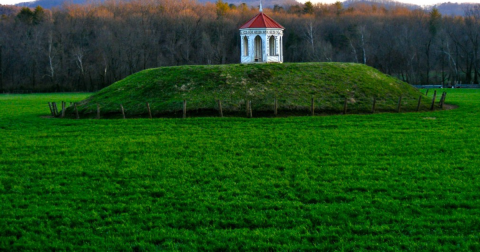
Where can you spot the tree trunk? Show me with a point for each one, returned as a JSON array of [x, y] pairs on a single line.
[[33, 74], [443, 71], [1, 71], [468, 72], [427, 52]]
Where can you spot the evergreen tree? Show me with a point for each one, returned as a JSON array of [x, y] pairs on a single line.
[[38, 15], [25, 16], [308, 9]]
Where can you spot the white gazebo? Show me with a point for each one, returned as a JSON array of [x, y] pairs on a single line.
[[261, 40]]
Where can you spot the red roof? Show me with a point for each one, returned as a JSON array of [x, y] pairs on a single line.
[[261, 21]]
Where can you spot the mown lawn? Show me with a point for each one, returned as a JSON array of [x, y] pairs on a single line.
[[390, 182]]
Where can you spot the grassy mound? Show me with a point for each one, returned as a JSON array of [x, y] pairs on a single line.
[[292, 84]]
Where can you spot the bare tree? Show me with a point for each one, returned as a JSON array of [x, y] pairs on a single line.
[[87, 47], [79, 54]]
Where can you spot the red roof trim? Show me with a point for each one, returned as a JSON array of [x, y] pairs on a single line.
[[261, 21]]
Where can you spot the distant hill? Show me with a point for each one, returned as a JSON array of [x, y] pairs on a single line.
[[388, 4], [448, 8], [453, 9], [9, 10], [48, 4], [266, 3]]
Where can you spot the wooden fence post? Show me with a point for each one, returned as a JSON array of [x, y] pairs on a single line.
[[98, 111], [444, 97], [64, 104], [247, 110], [275, 106], [399, 104], [51, 108], [419, 102], [433, 100], [345, 106], [55, 109], [220, 108], [76, 111], [441, 100], [149, 111], [123, 111], [184, 108], [374, 103], [313, 106]]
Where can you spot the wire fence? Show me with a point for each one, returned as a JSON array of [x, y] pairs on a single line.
[[266, 106]]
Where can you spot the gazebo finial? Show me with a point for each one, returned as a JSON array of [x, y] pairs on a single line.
[[261, 9]]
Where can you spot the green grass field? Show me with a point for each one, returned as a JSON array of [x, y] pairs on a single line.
[[388, 182]]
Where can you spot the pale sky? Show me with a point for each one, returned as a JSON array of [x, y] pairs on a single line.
[[11, 1], [418, 2]]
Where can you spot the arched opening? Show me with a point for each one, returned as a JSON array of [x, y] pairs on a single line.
[[245, 46], [273, 46], [258, 49]]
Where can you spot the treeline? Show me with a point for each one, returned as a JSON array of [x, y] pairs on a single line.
[[87, 47]]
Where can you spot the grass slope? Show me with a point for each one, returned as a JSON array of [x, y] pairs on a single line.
[[294, 84], [383, 182]]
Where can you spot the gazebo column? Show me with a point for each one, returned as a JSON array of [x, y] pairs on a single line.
[[251, 48], [265, 47], [277, 47]]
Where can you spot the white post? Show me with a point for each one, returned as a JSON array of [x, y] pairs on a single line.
[[281, 48], [251, 49], [277, 40], [265, 46], [241, 48]]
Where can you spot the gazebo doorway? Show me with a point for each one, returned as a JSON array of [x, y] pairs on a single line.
[[258, 49]]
